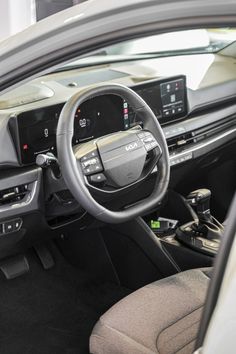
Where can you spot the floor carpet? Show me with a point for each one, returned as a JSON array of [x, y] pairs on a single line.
[[53, 311]]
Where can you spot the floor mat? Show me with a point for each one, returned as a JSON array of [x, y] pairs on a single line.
[[53, 311]]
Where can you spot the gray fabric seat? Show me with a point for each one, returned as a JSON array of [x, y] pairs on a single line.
[[162, 317]]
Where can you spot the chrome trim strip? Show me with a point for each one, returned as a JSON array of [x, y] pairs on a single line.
[[199, 146]]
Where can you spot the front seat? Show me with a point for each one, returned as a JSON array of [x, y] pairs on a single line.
[[162, 317]]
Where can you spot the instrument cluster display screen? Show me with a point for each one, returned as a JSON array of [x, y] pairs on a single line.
[[100, 116]]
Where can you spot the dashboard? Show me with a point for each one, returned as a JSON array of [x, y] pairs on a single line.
[[196, 109], [34, 132]]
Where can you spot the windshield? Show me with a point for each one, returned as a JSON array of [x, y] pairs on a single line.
[[173, 43], [202, 40]]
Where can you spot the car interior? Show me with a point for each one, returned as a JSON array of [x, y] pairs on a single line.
[[117, 172]]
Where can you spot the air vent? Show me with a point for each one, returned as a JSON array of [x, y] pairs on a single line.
[[180, 141], [201, 134], [14, 194], [214, 129]]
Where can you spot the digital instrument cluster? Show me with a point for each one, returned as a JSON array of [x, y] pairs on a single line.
[[34, 131]]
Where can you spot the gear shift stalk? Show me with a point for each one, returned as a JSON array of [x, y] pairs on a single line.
[[200, 199], [205, 233]]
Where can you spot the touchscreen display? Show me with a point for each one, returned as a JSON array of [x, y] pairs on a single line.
[[166, 98], [173, 97]]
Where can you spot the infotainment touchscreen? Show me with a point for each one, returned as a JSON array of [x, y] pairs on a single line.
[[173, 98], [167, 98]]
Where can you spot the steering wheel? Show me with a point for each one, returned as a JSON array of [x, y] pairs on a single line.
[[116, 162]]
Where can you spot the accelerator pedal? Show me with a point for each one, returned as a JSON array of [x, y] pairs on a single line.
[[45, 256]]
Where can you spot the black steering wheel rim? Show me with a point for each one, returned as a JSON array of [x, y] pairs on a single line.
[[71, 170]]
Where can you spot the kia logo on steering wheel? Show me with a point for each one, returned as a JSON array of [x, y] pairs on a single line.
[[131, 146]]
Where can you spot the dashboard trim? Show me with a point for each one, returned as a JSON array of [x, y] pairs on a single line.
[[198, 147], [31, 202], [23, 203], [202, 145]]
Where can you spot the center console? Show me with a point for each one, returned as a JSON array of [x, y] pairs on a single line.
[[186, 228]]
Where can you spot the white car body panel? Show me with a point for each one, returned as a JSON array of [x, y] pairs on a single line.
[[95, 22], [220, 337]]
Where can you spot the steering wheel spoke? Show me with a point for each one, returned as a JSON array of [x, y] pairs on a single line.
[[115, 162]]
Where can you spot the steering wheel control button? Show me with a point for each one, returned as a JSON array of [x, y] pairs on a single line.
[[91, 165], [148, 140], [89, 156], [154, 144], [97, 179], [144, 135], [141, 135], [89, 162]]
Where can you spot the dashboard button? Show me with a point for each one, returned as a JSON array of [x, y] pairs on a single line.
[[9, 227], [180, 109], [17, 224], [167, 113]]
